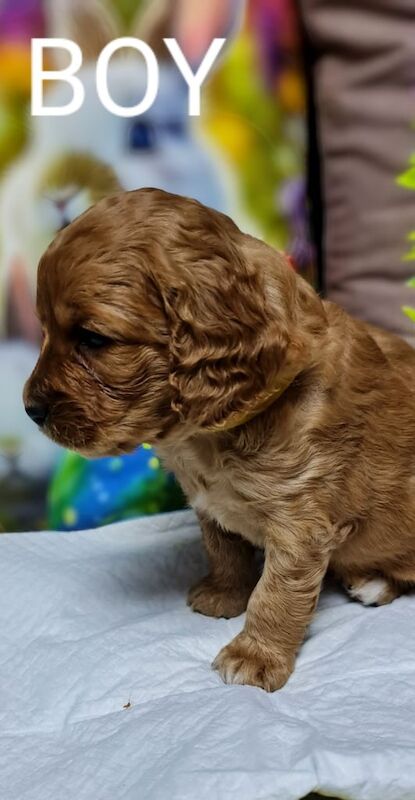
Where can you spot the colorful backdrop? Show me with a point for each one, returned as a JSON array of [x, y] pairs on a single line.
[[245, 156]]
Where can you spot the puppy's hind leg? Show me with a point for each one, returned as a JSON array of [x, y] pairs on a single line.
[[372, 589]]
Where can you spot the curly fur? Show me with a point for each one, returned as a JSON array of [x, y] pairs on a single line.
[[201, 319]]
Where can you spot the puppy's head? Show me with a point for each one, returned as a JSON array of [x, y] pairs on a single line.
[[159, 316]]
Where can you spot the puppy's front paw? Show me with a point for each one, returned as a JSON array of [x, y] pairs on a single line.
[[246, 661], [208, 598]]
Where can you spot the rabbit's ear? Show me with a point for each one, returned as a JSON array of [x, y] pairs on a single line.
[[194, 25], [89, 23], [154, 22], [198, 24]]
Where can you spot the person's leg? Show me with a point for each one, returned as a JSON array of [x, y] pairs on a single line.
[[363, 64]]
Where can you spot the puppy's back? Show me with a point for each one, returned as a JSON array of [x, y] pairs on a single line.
[[399, 354]]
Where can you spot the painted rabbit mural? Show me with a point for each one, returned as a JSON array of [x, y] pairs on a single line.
[[68, 164], [242, 156], [49, 185]]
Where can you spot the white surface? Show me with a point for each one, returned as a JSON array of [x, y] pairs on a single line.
[[92, 621]]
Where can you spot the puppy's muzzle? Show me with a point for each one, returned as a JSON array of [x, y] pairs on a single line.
[[38, 413]]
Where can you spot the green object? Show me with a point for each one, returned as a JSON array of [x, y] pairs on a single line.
[[12, 130], [407, 180], [410, 312], [127, 9], [88, 493]]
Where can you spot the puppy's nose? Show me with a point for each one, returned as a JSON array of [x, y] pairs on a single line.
[[37, 413]]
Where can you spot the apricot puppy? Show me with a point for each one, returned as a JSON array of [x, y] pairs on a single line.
[[290, 425]]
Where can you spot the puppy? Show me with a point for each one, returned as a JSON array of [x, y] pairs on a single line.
[[290, 426]]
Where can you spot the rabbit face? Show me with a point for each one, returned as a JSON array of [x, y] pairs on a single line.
[[158, 148]]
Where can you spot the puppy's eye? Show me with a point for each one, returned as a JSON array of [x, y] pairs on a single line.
[[91, 339]]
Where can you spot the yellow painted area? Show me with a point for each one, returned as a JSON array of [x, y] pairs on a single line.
[[70, 516], [15, 68], [291, 91], [232, 133], [146, 446], [154, 463]]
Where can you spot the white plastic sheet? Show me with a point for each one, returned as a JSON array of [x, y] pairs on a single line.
[[106, 692]]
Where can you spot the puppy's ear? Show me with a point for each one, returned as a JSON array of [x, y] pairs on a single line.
[[234, 329]]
